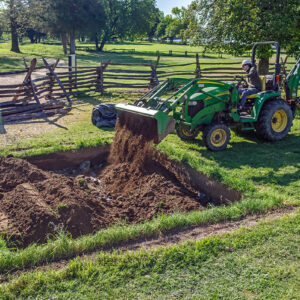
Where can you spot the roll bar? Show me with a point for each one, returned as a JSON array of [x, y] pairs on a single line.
[[277, 64]]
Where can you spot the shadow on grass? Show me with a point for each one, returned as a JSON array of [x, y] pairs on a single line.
[[107, 97], [9, 63], [252, 153], [44, 119], [96, 57]]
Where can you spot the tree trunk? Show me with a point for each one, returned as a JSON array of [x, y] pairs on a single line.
[[102, 44], [72, 42], [97, 42], [263, 66], [64, 42], [13, 28]]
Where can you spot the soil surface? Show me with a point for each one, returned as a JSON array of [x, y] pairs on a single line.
[[133, 187]]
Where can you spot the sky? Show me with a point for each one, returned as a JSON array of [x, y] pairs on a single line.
[[167, 5]]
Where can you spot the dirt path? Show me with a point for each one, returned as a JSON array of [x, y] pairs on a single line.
[[197, 233], [170, 238]]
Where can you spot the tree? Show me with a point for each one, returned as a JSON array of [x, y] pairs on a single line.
[[233, 25], [160, 32], [181, 22], [70, 17], [171, 27], [126, 19], [4, 27], [158, 17], [13, 12]]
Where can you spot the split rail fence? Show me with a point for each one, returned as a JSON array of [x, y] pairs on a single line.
[[50, 93]]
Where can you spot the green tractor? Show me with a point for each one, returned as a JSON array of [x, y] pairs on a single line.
[[211, 106]]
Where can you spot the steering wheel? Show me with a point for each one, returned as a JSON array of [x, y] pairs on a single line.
[[240, 80]]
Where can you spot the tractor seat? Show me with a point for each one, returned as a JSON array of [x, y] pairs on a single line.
[[252, 96], [263, 87]]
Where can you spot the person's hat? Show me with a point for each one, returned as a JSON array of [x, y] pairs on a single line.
[[246, 62]]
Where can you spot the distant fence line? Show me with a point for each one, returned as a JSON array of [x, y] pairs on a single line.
[[175, 53]]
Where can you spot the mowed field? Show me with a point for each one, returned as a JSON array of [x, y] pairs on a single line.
[[259, 262]]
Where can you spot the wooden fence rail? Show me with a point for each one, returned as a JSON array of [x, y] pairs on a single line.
[[60, 82]]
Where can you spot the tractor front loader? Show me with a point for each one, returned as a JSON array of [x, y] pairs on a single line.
[[210, 106]]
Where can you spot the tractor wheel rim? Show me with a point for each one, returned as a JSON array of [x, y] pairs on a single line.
[[218, 137], [186, 132], [279, 120]]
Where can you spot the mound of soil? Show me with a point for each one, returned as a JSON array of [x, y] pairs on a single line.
[[35, 203]]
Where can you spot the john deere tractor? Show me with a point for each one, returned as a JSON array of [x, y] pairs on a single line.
[[211, 106]]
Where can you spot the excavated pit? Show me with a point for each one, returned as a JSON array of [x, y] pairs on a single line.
[[84, 191]]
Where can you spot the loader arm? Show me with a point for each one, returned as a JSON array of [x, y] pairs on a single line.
[[292, 82], [169, 102]]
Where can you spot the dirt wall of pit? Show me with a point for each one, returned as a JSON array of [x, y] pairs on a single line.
[[218, 192]]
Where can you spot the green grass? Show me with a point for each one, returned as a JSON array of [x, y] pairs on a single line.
[[64, 246], [249, 165], [144, 52], [267, 174], [253, 263]]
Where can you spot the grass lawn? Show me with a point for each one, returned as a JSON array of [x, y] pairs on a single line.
[[267, 174], [144, 52], [264, 261], [253, 263]]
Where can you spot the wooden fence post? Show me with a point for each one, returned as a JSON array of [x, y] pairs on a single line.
[[25, 64], [99, 80], [2, 128], [154, 79], [198, 69], [72, 68], [58, 81], [100, 77], [28, 84], [52, 80]]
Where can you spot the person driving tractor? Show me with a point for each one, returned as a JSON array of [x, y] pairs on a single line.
[[252, 80]]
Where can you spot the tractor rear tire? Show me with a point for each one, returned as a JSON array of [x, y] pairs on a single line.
[[216, 137], [275, 121], [184, 132]]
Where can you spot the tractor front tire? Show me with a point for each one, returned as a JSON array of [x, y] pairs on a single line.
[[184, 132], [275, 121], [216, 137]]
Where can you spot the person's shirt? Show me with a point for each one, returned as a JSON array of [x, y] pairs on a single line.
[[253, 79]]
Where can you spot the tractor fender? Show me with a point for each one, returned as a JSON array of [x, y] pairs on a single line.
[[263, 98]]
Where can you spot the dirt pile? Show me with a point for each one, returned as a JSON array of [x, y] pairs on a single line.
[[34, 203], [141, 186], [132, 187]]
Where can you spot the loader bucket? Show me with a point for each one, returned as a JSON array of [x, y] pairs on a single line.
[[153, 124]]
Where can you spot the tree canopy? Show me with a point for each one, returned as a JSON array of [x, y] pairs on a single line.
[[233, 25]]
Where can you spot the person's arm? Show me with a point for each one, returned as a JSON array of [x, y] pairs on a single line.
[[252, 73]]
